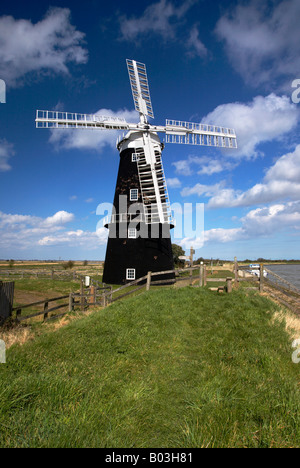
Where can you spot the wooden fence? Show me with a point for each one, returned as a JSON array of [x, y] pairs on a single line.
[[101, 295], [83, 300], [283, 291], [6, 300]]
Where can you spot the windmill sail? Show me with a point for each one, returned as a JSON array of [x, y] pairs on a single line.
[[140, 88], [190, 133], [153, 188]]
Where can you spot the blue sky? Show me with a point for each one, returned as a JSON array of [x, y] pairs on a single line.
[[231, 63]]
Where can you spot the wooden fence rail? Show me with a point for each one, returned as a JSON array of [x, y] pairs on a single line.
[[45, 312]]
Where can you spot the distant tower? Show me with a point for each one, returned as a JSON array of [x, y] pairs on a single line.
[[139, 227]]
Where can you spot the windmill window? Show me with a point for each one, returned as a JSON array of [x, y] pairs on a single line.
[[131, 233], [130, 273], [134, 157], [134, 194]]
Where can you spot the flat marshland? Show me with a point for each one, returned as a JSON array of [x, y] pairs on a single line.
[[182, 367]]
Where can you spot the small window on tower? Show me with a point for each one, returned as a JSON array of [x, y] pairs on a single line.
[[134, 194], [130, 274], [131, 233], [134, 157]]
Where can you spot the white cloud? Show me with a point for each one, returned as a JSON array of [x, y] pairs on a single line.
[[262, 222], [205, 165], [183, 167], [262, 41], [173, 182], [6, 152], [281, 182], [203, 190], [223, 235], [59, 219], [262, 120], [158, 18], [88, 240], [92, 139], [269, 220], [47, 46], [286, 168], [25, 232], [195, 46]]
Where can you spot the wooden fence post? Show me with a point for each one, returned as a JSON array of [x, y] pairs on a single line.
[[229, 285], [236, 276], [261, 277], [71, 302], [46, 310], [103, 299], [191, 277], [81, 296], [200, 276], [92, 298], [204, 276], [6, 299], [148, 281]]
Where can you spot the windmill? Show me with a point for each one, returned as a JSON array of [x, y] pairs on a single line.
[[139, 227]]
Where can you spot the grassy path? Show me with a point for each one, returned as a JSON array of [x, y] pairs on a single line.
[[170, 368]]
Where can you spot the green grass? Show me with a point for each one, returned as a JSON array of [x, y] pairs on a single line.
[[46, 286], [171, 368]]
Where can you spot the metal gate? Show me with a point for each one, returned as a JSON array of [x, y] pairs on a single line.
[[6, 300]]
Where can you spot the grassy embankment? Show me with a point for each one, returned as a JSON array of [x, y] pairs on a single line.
[[171, 368]]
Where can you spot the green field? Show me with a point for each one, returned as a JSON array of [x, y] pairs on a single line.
[[170, 368]]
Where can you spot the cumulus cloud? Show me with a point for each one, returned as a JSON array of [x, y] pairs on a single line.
[[272, 219], [264, 119], [261, 222], [47, 46], [79, 238], [203, 190], [92, 139], [202, 165], [281, 182], [224, 235], [173, 182], [158, 18], [58, 219], [195, 46], [262, 41], [6, 152], [25, 232]]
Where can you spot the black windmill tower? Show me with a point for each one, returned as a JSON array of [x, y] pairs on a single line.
[[139, 226]]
